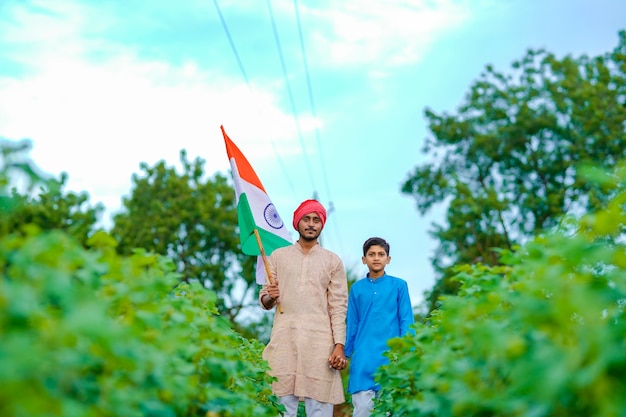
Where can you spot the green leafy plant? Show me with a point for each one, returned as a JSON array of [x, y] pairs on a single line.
[[192, 219], [503, 165], [85, 332], [41, 202], [541, 335]]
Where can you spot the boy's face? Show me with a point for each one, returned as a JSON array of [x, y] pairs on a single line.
[[376, 258]]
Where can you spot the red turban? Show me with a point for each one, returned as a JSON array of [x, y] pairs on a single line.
[[306, 207]]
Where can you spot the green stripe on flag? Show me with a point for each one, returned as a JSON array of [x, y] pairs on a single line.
[[249, 245], [272, 241]]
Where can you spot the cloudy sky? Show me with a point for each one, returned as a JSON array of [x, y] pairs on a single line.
[[101, 86]]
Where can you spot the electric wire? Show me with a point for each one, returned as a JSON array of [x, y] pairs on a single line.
[[331, 206], [247, 80], [233, 47], [312, 103], [232, 43], [283, 167], [291, 99]]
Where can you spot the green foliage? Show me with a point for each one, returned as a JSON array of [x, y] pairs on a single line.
[[506, 162], [87, 332], [43, 203], [193, 221], [91, 333], [540, 335], [15, 164]]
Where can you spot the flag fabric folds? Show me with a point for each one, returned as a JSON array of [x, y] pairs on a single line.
[[255, 210]]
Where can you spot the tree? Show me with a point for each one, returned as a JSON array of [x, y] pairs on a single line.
[[540, 335], [42, 203], [507, 162], [193, 221], [88, 332]]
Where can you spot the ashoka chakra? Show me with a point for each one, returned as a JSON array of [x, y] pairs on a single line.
[[271, 217]]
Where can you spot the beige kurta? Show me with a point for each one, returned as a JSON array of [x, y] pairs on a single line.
[[314, 296]]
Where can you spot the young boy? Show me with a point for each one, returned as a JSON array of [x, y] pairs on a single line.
[[379, 308]]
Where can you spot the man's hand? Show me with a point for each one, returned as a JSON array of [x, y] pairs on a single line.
[[272, 289], [338, 359], [272, 295]]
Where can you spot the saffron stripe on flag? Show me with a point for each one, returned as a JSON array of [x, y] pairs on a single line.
[[255, 210]]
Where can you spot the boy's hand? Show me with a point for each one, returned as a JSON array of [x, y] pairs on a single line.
[[338, 359]]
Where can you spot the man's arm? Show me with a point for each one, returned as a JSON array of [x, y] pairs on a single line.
[[337, 299], [337, 296]]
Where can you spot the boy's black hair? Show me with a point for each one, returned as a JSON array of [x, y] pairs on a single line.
[[375, 241]]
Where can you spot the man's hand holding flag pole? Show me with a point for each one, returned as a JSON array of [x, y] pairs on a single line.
[[261, 230]]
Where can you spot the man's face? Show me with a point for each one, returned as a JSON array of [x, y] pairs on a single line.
[[310, 227]]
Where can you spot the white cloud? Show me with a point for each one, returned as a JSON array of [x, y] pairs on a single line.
[[78, 97], [381, 33], [97, 120], [356, 33]]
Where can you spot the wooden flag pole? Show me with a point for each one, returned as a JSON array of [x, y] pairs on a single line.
[[268, 274]]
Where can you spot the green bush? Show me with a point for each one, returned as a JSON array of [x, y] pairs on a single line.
[[89, 333], [543, 335], [86, 332]]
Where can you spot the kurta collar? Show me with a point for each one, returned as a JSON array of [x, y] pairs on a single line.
[[301, 249], [379, 279]]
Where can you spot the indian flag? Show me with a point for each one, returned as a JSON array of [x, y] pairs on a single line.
[[254, 209]]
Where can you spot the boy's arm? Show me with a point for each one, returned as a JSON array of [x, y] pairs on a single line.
[[405, 309], [352, 323]]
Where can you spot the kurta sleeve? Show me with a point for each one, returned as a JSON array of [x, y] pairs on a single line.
[[352, 323], [263, 292], [338, 301], [405, 309]]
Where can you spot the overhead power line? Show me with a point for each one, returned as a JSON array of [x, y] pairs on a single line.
[[291, 99], [232, 43], [312, 103], [331, 206], [247, 80]]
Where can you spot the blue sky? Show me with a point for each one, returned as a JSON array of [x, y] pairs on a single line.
[[101, 86]]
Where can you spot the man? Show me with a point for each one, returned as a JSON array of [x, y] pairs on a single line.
[[306, 348]]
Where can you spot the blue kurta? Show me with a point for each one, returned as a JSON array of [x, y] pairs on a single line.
[[378, 310]]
